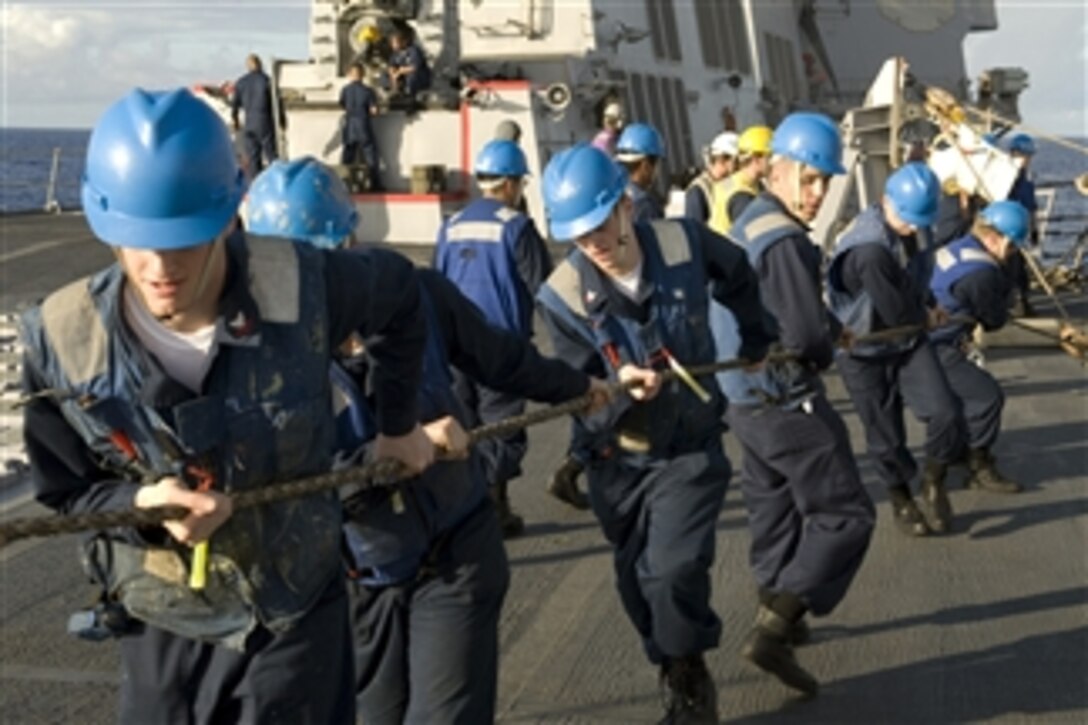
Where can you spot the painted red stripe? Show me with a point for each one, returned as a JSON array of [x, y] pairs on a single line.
[[509, 85]]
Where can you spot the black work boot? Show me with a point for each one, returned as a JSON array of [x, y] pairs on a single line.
[[935, 503], [800, 634], [908, 518], [564, 484], [688, 691], [512, 524], [984, 473], [768, 645]]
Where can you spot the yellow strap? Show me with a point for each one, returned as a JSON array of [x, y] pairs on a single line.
[[198, 574], [687, 379]]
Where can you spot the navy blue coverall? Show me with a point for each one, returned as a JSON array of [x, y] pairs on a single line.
[[871, 290], [657, 472], [253, 97], [809, 515], [358, 101], [426, 649], [418, 79], [974, 286], [296, 673]]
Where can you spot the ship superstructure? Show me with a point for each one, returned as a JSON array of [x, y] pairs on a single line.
[[691, 68]]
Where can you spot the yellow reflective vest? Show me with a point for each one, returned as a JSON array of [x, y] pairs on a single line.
[[723, 194]]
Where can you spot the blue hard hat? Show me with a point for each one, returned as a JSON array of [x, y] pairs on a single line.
[[161, 172], [1021, 143], [812, 139], [581, 187], [1009, 218], [501, 157], [914, 191], [639, 139], [304, 200]]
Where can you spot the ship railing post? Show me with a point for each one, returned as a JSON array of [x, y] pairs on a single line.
[[1043, 218], [52, 206]]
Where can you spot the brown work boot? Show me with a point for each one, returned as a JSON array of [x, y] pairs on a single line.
[[512, 525], [984, 473], [768, 646], [688, 691], [908, 518], [800, 633], [564, 484], [935, 503]]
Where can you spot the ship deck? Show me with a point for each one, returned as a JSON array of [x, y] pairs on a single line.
[[985, 624]]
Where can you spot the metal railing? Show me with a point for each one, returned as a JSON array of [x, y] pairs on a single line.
[[21, 184], [52, 206]]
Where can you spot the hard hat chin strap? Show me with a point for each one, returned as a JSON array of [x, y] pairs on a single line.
[[795, 202]]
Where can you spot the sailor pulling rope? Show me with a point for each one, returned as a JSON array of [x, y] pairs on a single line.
[[377, 473], [1070, 338]]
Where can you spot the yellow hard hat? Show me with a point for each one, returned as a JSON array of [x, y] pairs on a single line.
[[370, 34], [755, 140]]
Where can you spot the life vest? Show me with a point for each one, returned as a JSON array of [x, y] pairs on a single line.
[[703, 184], [856, 311], [476, 250], [762, 225], [724, 192], [676, 420], [952, 263], [263, 417]]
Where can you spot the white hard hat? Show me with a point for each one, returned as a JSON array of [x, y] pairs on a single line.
[[613, 110], [724, 144]]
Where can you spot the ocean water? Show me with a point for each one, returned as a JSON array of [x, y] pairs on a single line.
[[1069, 214], [26, 157]]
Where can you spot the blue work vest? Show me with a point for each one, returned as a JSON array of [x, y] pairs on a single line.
[[395, 529], [262, 417], [762, 225], [676, 421], [856, 311], [953, 262], [476, 250]]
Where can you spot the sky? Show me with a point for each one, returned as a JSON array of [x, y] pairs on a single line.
[[62, 63]]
